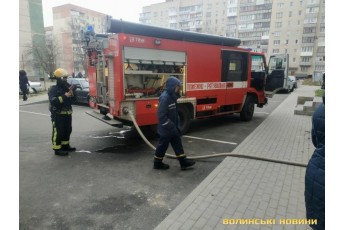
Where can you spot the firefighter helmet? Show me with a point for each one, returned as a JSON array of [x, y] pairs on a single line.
[[59, 73]]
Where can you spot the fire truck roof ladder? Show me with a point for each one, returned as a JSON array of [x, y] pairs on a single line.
[[119, 26]]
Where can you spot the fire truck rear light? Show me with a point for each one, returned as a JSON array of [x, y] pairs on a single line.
[[125, 110]]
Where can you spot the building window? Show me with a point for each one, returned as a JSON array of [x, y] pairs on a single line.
[[307, 49], [291, 3], [276, 42], [280, 5], [279, 15], [277, 34], [305, 59], [278, 24], [286, 42], [275, 51], [296, 42], [300, 12], [290, 14], [304, 68], [293, 59], [312, 10], [309, 30]]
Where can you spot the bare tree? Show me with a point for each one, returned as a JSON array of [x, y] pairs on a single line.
[[79, 56], [45, 56]]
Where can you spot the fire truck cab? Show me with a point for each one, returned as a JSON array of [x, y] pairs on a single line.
[[128, 67]]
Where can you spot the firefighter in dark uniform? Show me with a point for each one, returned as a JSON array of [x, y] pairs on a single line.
[[60, 99], [169, 126]]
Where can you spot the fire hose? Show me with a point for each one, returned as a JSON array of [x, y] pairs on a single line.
[[217, 154]]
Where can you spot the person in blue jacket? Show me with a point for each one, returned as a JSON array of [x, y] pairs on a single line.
[[169, 126], [315, 173]]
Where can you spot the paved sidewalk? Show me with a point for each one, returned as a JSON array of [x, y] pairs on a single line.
[[42, 97], [243, 190], [37, 98]]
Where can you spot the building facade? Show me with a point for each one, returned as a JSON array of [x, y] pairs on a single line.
[[269, 26], [69, 23], [298, 28], [31, 33]]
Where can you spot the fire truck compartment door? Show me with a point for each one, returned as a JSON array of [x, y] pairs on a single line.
[[147, 56], [277, 77]]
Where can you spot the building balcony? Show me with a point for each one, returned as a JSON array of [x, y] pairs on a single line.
[[184, 12], [231, 14], [260, 2], [311, 15], [321, 44], [265, 37], [184, 27], [231, 5], [306, 54], [308, 34], [320, 63], [307, 43], [311, 4], [305, 63], [309, 24]]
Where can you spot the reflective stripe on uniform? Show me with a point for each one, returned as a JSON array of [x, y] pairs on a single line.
[[64, 142], [172, 106], [55, 146], [64, 112], [181, 155], [60, 99], [165, 123]]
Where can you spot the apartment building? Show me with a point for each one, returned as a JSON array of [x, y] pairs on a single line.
[[296, 27], [31, 33], [208, 16], [69, 23]]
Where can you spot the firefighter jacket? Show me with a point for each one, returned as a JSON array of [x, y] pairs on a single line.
[[315, 172], [59, 103], [168, 119]]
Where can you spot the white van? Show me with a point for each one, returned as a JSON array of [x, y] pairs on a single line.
[[291, 83]]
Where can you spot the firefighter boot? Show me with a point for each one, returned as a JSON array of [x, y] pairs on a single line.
[[185, 163], [61, 152], [158, 164], [68, 148]]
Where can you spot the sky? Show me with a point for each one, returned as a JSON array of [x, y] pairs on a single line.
[[127, 10]]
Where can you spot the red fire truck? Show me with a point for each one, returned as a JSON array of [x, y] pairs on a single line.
[[127, 69]]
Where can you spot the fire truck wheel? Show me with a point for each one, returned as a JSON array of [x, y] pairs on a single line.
[[248, 109], [185, 118]]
